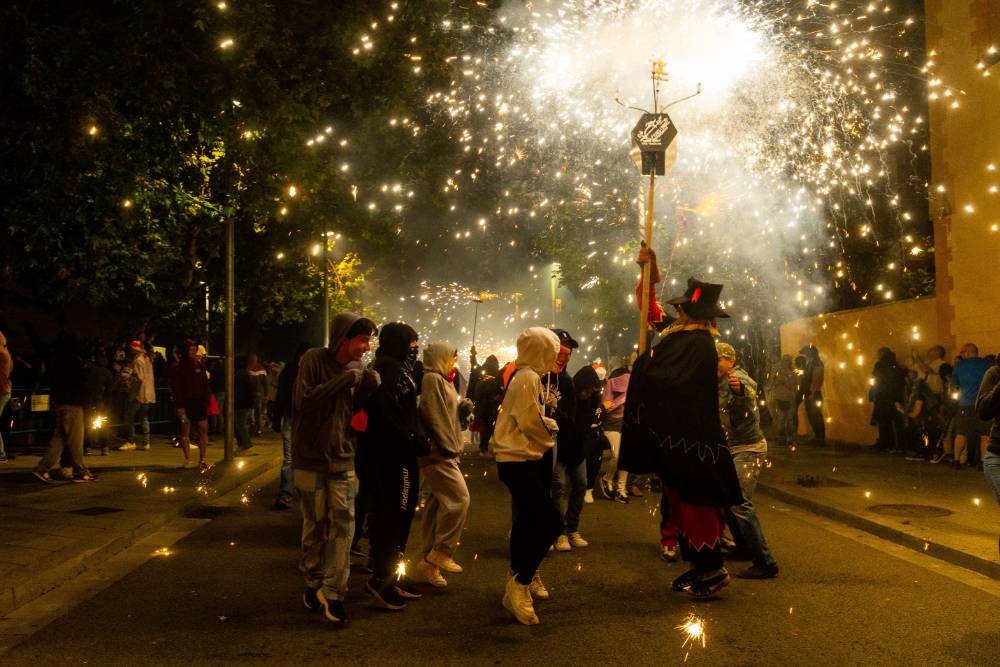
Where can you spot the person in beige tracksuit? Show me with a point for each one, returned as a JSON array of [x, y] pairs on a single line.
[[441, 414]]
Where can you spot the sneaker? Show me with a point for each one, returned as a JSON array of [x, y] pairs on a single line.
[[245, 452], [588, 497], [85, 477], [683, 581], [759, 572], [385, 596], [668, 553], [126, 446], [188, 464], [443, 562], [431, 574], [517, 600], [607, 488], [941, 457], [636, 492], [537, 588], [203, 465], [44, 476], [577, 541], [562, 543], [406, 590], [282, 503], [620, 497], [333, 610], [310, 598], [708, 585], [914, 457], [144, 447]]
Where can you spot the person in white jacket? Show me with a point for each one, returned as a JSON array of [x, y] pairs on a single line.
[[522, 437], [441, 414]]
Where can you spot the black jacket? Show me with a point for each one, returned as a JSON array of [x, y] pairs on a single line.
[[393, 430], [671, 424], [988, 406], [586, 419]]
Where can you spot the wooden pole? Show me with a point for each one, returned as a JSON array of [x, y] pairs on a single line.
[[647, 269]]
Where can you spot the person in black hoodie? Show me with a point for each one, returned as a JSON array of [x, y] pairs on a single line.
[[888, 393], [486, 395], [67, 378], [245, 399], [390, 446], [570, 480], [283, 411]]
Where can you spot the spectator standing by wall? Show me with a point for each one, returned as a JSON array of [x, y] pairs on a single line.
[[888, 394], [970, 431], [781, 398], [811, 393]]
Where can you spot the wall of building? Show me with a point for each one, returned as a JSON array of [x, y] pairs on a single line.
[[965, 156], [847, 342]]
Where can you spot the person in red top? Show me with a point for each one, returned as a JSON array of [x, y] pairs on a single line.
[[191, 390]]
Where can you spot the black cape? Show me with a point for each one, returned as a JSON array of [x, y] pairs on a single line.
[[671, 424]]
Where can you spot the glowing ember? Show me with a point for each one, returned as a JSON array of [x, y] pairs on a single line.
[[693, 629]]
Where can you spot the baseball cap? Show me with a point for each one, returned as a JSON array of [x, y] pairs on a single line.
[[565, 338]]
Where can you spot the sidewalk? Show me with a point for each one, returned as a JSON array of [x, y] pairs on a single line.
[[49, 533], [945, 513]]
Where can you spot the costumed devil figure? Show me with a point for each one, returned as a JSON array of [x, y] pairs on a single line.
[[671, 427]]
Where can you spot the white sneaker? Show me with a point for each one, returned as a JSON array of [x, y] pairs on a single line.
[[588, 497], [128, 446], [188, 463], [576, 539], [537, 588], [562, 543], [443, 562], [668, 553], [517, 600], [429, 573]]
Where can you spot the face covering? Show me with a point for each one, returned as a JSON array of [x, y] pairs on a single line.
[[411, 359]]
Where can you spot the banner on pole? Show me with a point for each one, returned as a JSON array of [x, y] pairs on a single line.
[[653, 143]]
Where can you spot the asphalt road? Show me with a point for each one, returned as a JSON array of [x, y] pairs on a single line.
[[229, 594]]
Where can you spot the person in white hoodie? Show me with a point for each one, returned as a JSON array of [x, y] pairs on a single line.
[[522, 437], [441, 415]]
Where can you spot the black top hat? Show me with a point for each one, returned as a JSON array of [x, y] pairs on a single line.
[[565, 338], [701, 300]]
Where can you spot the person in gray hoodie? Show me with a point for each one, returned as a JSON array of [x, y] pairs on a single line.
[[331, 386], [441, 416], [523, 435]]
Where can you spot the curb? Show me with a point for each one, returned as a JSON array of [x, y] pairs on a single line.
[[920, 545], [56, 570]]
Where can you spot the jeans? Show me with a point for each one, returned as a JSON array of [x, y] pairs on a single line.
[[744, 516], [287, 488], [537, 523], [67, 434], [3, 404], [569, 482], [991, 468], [327, 504], [815, 414], [242, 429]]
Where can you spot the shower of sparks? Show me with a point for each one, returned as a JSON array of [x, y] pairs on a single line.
[[693, 630], [400, 570]]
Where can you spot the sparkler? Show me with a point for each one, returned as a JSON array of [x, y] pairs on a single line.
[[98, 422], [693, 630], [400, 570]]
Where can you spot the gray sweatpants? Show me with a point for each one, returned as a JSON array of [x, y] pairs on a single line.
[[68, 433], [447, 507], [327, 504]]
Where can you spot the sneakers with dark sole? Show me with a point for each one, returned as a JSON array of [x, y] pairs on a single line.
[[333, 610], [85, 477], [759, 572], [620, 497], [681, 582], [44, 476], [407, 590], [310, 598], [708, 586], [385, 596]]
